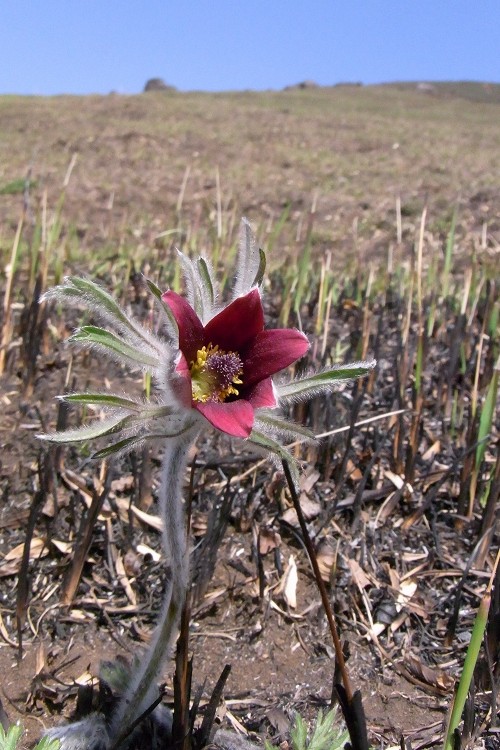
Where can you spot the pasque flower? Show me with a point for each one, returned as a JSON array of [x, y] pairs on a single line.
[[212, 365], [225, 367]]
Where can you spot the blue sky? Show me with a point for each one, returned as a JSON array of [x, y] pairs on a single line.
[[87, 46]]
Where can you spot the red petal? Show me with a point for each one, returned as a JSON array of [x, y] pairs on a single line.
[[262, 394], [270, 352], [181, 385], [234, 418], [190, 326], [237, 324]]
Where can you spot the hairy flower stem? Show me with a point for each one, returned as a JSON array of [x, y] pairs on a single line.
[[143, 686]]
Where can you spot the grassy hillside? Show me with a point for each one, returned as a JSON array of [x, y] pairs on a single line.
[[155, 162]]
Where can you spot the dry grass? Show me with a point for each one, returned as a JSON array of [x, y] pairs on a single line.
[[350, 152]]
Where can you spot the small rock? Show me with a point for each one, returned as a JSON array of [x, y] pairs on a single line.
[[158, 84]]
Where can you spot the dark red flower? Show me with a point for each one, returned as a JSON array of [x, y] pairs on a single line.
[[225, 367]]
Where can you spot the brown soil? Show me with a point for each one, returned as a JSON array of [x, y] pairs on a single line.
[[281, 658]]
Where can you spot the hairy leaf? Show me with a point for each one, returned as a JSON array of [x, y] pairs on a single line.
[[122, 445], [103, 304], [9, 739], [172, 323], [268, 421], [272, 446], [250, 261], [93, 335], [312, 385], [200, 286], [326, 736], [298, 733], [206, 278], [48, 743], [101, 399], [132, 442], [88, 432]]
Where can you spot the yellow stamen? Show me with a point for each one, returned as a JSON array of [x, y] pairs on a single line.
[[214, 373]]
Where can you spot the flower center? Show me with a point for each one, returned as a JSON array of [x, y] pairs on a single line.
[[214, 373]]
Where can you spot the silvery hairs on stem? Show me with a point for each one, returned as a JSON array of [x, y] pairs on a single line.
[[212, 366]]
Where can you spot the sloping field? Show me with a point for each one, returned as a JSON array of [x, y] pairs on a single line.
[[145, 164]]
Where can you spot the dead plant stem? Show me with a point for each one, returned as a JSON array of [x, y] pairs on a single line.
[[339, 655]]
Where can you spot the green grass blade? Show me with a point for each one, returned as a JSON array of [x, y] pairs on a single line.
[[303, 275], [278, 227], [487, 414], [468, 670], [419, 366], [450, 242]]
